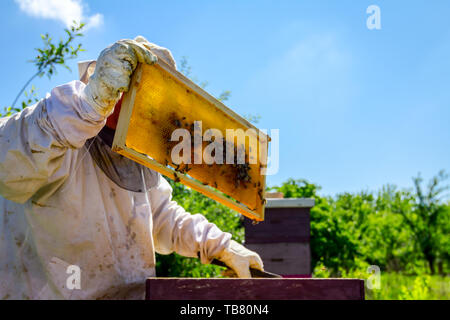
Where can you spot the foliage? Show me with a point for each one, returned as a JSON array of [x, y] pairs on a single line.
[[398, 230], [252, 118], [186, 69], [398, 286], [428, 220], [48, 58], [52, 55], [332, 242], [224, 96], [419, 291], [30, 98]]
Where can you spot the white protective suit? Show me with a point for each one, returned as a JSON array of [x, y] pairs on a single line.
[[59, 211]]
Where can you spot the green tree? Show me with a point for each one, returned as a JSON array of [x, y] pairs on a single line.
[[48, 58], [332, 243], [429, 220], [386, 242], [398, 230]]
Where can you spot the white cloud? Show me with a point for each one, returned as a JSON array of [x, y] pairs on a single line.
[[65, 11]]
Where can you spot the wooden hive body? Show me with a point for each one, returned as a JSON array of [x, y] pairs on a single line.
[[283, 239]]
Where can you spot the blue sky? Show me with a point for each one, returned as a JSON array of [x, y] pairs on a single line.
[[356, 108]]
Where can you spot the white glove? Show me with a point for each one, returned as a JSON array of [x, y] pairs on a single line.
[[240, 259], [161, 52], [112, 74]]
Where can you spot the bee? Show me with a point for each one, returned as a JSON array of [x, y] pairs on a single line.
[[260, 194]]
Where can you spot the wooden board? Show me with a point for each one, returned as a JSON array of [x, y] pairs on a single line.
[[161, 100], [284, 258], [280, 225], [254, 289]]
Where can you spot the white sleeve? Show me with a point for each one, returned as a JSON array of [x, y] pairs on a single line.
[[34, 141], [187, 234]]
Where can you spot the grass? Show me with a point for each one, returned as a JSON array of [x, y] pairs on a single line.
[[395, 286]]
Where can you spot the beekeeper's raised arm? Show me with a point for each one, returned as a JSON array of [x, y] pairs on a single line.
[[34, 143]]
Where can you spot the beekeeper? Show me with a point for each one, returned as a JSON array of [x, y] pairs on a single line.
[[78, 221]]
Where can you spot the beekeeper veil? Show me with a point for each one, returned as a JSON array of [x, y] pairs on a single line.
[[126, 173]]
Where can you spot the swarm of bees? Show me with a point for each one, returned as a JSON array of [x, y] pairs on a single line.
[[241, 175]]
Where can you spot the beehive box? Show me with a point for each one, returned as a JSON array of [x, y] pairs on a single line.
[[287, 220], [254, 289], [286, 259], [282, 240], [161, 100]]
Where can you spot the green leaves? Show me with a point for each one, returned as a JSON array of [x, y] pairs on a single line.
[[224, 96], [300, 188], [51, 54], [425, 216], [48, 58], [30, 98], [398, 230]]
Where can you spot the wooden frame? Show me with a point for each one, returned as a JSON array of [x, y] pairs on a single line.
[[122, 131]]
